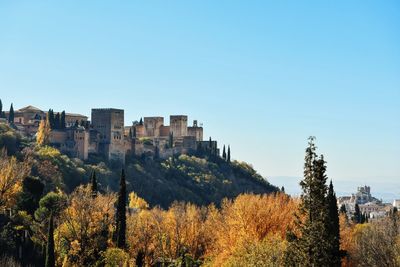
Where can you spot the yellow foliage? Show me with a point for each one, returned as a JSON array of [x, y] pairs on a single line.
[[43, 134], [84, 220], [12, 173], [137, 202], [208, 233]]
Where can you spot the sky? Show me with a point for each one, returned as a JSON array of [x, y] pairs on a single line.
[[262, 76]]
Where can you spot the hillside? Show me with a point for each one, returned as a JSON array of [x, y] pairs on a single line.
[[160, 182]]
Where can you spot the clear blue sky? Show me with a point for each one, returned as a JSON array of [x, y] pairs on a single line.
[[261, 76]]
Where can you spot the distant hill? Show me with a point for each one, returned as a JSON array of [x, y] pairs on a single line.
[[160, 182]]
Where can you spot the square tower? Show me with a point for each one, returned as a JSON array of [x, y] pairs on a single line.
[[178, 125], [109, 123], [152, 126]]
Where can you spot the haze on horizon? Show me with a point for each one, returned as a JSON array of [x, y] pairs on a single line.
[[262, 77]]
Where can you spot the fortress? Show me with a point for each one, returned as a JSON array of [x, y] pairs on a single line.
[[106, 135]]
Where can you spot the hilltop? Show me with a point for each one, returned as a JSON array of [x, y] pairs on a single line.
[[197, 179]]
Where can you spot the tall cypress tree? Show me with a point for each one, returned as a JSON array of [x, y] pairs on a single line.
[[311, 247], [1, 108], [50, 259], [333, 228], [62, 120], [11, 115], [228, 157], [93, 184], [121, 212], [357, 214], [57, 121], [224, 153]]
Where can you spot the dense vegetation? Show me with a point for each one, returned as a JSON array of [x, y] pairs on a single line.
[[184, 211]]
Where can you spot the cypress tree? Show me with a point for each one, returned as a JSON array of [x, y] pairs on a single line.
[[333, 228], [343, 209], [224, 153], [50, 116], [171, 140], [228, 157], [141, 121], [1, 108], [134, 132], [62, 120], [283, 189], [357, 214], [121, 213], [156, 153], [57, 121], [311, 247], [50, 259], [11, 115], [93, 184]]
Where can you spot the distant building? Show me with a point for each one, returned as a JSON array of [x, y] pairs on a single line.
[[109, 123], [366, 202], [105, 135]]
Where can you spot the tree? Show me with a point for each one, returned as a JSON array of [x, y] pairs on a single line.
[[171, 140], [311, 247], [137, 202], [62, 120], [157, 153], [283, 189], [76, 125], [121, 212], [343, 209], [43, 134], [50, 259], [1, 108], [357, 214], [224, 153], [141, 121], [32, 190], [85, 226], [11, 115], [12, 174], [50, 118], [228, 157], [333, 228], [57, 121], [93, 184]]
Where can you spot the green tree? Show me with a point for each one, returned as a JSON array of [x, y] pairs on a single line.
[[57, 121], [228, 157], [311, 247], [121, 212], [343, 209], [357, 214], [171, 140], [32, 190], [93, 184], [50, 259], [224, 153], [1, 108], [11, 114], [62, 120], [333, 228], [50, 118]]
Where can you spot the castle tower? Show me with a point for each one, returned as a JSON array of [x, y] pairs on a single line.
[[179, 125], [196, 131], [109, 123], [152, 126]]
